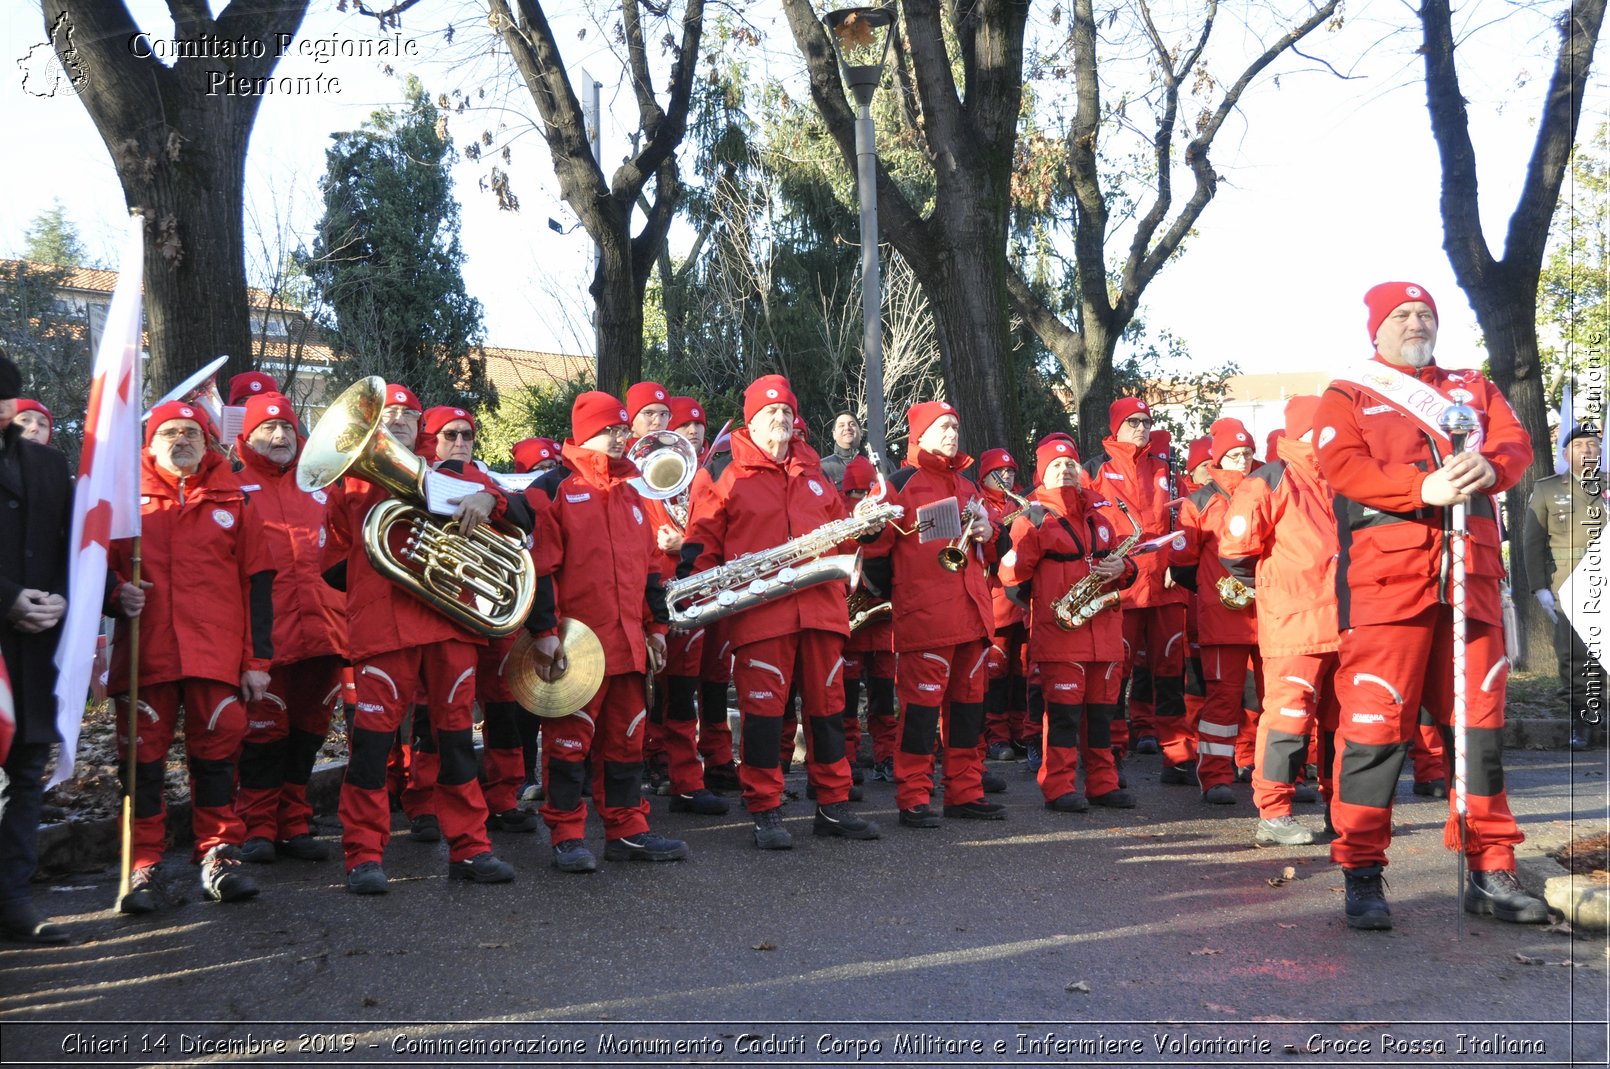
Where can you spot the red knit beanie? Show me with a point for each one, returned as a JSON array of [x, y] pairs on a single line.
[[1052, 449], [1300, 412], [642, 394], [530, 452], [263, 407], [1197, 453], [1228, 434], [172, 410], [593, 413], [994, 459], [1269, 443], [249, 384], [858, 474], [28, 404], [685, 410], [1380, 300], [402, 395], [440, 416], [1122, 409], [768, 390], [923, 415]]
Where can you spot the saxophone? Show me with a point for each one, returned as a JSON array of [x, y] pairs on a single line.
[[1233, 593], [766, 575], [1086, 598]]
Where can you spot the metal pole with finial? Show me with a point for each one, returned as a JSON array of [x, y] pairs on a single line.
[[1458, 421]]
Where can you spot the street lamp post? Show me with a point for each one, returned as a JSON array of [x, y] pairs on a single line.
[[860, 37]]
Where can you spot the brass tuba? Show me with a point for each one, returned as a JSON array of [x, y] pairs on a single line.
[[484, 581], [1086, 598], [667, 463]]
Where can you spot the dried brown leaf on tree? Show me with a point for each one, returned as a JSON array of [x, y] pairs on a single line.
[[854, 32]]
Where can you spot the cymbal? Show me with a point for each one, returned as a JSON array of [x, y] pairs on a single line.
[[583, 676]]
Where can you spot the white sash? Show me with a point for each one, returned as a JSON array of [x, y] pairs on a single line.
[[1409, 396]]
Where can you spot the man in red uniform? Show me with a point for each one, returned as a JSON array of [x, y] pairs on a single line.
[[285, 730], [1396, 475], [1154, 608], [595, 541], [943, 621], [1228, 636], [774, 491], [206, 607], [1280, 540], [648, 406], [1006, 693], [249, 384], [398, 644], [1060, 541], [678, 689]]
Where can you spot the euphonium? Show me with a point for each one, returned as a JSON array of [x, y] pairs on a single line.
[[1086, 598], [865, 606], [485, 581], [1233, 593], [756, 578]]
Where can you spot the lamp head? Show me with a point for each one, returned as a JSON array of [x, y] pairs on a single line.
[[860, 37]]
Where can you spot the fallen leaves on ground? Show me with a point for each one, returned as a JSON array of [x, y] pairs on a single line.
[[1206, 952], [1078, 985], [763, 946], [1287, 874], [1526, 959]]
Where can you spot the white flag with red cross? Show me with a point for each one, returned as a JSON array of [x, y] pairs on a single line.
[[106, 498]]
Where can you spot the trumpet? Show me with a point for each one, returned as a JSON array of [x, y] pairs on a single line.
[[953, 558]]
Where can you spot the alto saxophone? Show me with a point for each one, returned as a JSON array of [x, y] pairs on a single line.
[[755, 578], [1086, 598], [1233, 593]]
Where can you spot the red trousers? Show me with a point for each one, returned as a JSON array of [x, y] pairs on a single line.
[[677, 691], [1224, 671], [284, 733], [874, 672], [214, 728], [715, 672], [1385, 673], [952, 679], [1154, 640], [608, 729], [1299, 701], [1005, 706], [386, 688], [765, 673], [1080, 699]]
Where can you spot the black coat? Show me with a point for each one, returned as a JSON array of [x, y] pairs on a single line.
[[36, 523]]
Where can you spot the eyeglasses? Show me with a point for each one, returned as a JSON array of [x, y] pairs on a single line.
[[1137, 421], [396, 412], [454, 436], [189, 434]]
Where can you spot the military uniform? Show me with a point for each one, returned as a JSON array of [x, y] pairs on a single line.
[[1563, 517]]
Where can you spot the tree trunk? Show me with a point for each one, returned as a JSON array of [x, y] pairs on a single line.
[[618, 300], [178, 138], [967, 294]]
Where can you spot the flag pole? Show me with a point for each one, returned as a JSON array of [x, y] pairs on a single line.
[[133, 729]]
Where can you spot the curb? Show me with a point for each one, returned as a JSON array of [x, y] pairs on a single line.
[[88, 845]]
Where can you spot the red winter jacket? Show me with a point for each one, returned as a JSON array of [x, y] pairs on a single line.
[[1394, 558], [1202, 518], [381, 615], [1140, 480], [1280, 539], [758, 504], [934, 608], [211, 580], [1049, 559], [309, 615], [596, 539], [1007, 612]]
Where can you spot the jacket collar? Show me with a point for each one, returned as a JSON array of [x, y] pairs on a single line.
[[255, 462], [938, 465], [799, 459], [597, 468], [154, 482]]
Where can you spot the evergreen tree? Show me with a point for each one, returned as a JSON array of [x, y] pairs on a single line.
[[388, 264], [53, 239], [50, 346]]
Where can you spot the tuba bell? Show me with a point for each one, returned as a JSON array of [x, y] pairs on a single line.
[[485, 581], [667, 463]]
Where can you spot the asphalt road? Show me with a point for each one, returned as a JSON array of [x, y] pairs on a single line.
[[1144, 937]]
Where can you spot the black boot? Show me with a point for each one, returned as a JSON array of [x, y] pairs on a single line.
[[1499, 893], [1366, 899]]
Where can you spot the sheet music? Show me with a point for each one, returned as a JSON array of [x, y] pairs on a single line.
[[230, 422], [440, 489], [939, 520]]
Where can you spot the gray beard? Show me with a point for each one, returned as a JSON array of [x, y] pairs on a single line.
[[1416, 353]]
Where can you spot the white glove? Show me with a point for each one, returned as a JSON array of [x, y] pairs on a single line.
[[1545, 598]]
